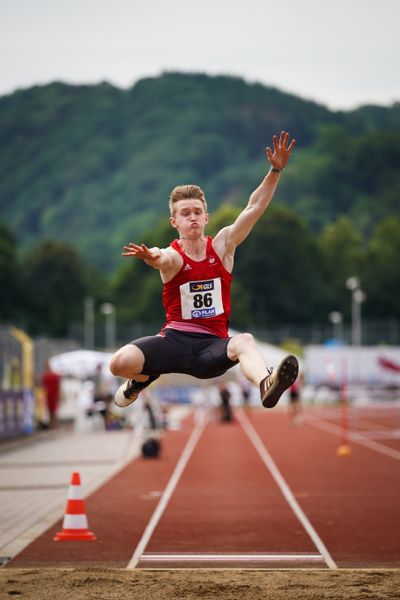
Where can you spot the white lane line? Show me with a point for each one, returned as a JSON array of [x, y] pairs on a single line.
[[294, 505], [201, 422], [358, 438], [231, 558], [379, 435]]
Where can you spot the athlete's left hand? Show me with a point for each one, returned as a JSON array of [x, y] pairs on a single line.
[[281, 154]]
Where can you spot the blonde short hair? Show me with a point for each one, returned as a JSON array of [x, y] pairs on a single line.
[[186, 192]]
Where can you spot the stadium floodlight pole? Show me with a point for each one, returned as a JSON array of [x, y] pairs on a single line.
[[88, 325], [357, 298], [108, 311], [336, 318]]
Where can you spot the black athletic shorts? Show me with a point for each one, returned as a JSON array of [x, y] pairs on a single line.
[[201, 355]]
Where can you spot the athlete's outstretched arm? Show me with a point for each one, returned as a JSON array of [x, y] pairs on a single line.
[[155, 257], [262, 196]]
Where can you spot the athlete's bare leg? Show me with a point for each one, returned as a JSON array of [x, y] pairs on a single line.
[[242, 347]]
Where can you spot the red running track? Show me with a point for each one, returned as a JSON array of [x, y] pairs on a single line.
[[257, 493]]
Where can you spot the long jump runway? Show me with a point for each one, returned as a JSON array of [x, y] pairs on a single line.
[[254, 493]]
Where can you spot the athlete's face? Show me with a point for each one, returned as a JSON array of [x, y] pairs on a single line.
[[190, 218]]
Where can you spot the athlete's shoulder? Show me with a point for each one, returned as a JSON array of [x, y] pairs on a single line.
[[174, 264], [224, 248], [222, 238]]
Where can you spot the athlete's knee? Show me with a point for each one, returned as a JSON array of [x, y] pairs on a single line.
[[117, 363], [244, 339], [240, 342], [127, 361]]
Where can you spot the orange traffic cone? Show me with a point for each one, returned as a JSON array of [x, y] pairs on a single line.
[[75, 525]]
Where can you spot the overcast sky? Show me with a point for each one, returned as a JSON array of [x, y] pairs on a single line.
[[342, 53]]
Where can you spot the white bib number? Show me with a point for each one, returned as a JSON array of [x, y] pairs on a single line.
[[201, 299]]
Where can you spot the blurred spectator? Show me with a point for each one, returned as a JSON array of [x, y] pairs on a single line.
[[226, 408], [294, 402], [51, 383], [98, 383], [164, 416], [151, 447], [148, 409], [84, 420], [102, 398], [100, 405], [246, 391]]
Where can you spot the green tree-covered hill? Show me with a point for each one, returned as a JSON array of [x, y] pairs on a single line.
[[93, 166]]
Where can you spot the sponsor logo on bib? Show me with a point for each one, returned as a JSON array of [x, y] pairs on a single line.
[[203, 313], [202, 286]]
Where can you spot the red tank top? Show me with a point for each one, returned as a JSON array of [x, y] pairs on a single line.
[[199, 294]]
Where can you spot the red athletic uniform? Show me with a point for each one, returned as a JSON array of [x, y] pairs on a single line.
[[199, 294]]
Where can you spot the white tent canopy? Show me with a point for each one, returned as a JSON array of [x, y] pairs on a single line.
[[81, 364]]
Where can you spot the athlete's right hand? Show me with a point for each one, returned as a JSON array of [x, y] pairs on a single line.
[[142, 251]]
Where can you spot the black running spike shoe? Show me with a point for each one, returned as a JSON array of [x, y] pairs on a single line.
[[276, 382]]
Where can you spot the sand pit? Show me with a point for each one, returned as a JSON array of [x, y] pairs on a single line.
[[115, 584]]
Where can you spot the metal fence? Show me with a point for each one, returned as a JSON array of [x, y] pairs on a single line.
[[372, 333]]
